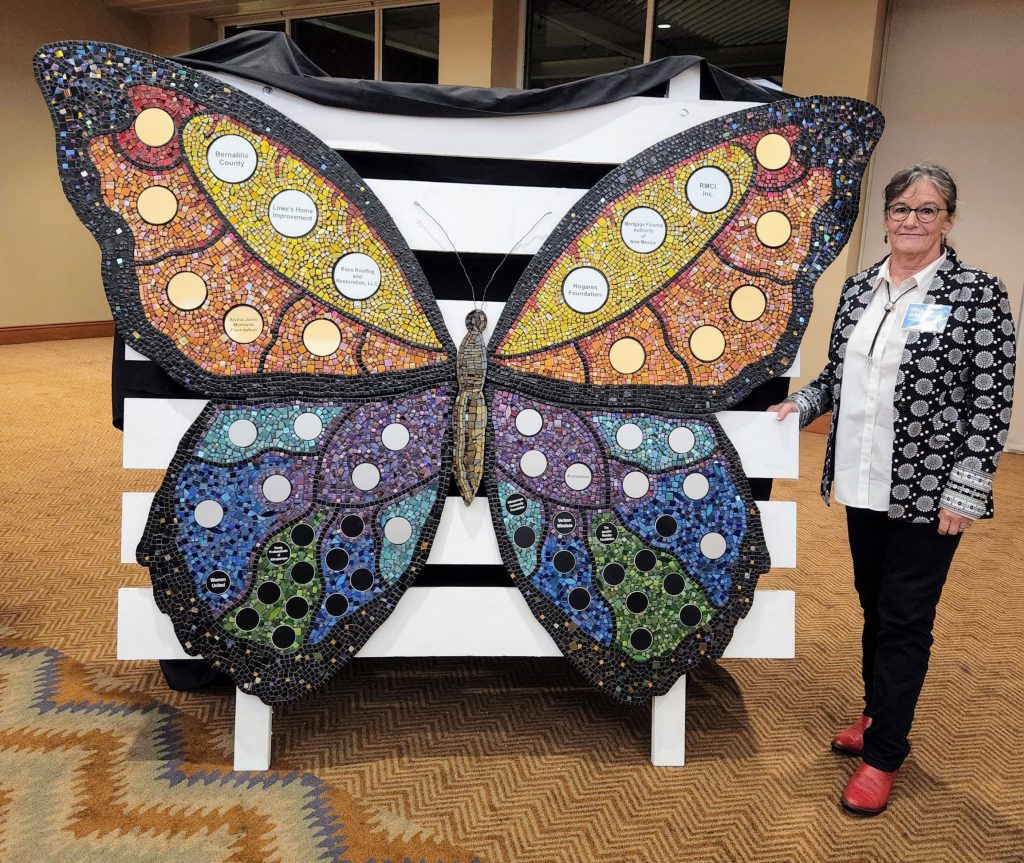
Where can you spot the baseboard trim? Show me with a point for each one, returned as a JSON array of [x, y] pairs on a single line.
[[55, 332]]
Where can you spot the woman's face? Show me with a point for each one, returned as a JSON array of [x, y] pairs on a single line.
[[912, 237]]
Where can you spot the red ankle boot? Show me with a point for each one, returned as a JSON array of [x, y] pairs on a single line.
[[867, 792], [850, 741]]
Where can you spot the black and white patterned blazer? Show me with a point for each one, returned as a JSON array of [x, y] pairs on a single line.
[[954, 392]]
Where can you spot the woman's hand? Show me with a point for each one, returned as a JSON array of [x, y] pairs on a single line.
[[783, 410], [952, 523]]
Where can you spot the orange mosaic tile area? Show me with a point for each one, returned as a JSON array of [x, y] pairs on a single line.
[[232, 277], [193, 222], [289, 353]]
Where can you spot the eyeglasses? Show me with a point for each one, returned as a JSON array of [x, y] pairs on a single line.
[[925, 214]]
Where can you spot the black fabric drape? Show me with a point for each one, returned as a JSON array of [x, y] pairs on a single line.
[[275, 60]]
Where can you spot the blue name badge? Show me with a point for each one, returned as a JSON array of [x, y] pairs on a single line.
[[926, 317]]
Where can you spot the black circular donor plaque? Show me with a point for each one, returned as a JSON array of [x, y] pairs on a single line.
[[565, 522], [218, 582], [516, 504], [607, 533], [278, 553]]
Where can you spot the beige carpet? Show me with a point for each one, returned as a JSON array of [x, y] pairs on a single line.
[[454, 760]]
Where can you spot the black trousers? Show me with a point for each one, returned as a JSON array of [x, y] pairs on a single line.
[[899, 569]]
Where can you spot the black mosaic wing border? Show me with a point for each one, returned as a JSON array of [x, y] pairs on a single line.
[[861, 120], [81, 187]]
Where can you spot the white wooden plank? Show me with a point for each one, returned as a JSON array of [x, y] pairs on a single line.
[[133, 355], [602, 134], [143, 631], [466, 537], [769, 629], [134, 510], [460, 621], [778, 518], [478, 217], [253, 720], [668, 727], [767, 447], [153, 428]]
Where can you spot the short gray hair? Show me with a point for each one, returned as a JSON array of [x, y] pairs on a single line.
[[903, 180]]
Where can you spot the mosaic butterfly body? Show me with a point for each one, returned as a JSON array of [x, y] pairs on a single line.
[[252, 264]]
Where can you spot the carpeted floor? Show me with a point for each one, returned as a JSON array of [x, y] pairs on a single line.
[[455, 760]]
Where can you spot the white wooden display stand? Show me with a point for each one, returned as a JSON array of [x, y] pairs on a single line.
[[477, 621]]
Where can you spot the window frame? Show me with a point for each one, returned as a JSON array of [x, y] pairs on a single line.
[[375, 6]]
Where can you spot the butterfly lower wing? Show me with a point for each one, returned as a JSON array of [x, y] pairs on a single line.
[[632, 535], [284, 532]]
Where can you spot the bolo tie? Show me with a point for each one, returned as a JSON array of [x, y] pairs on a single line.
[[890, 304]]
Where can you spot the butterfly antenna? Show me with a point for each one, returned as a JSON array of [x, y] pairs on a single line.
[[458, 257], [509, 253]]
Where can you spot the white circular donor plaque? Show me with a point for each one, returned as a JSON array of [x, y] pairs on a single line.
[[292, 213], [356, 276], [231, 158], [585, 290], [643, 230], [708, 189]]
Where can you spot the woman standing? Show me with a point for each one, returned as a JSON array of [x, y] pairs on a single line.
[[919, 380]]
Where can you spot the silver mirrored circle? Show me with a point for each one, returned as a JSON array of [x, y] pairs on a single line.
[[308, 426], [365, 476], [395, 437], [208, 513], [533, 462], [629, 436], [712, 545], [276, 488], [636, 484], [681, 440], [242, 433], [397, 530]]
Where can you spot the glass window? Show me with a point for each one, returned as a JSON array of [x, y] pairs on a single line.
[[341, 45], [274, 26], [747, 39], [572, 39], [411, 37]]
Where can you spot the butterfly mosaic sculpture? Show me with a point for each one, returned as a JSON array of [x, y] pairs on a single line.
[[249, 261]]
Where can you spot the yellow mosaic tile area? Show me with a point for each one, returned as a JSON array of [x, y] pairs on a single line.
[[632, 276], [335, 229]]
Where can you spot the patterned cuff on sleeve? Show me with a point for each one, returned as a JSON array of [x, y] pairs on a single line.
[[967, 491], [804, 407]]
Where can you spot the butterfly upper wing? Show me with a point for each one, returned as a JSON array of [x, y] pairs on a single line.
[[680, 282], [239, 251], [685, 276], [252, 264]]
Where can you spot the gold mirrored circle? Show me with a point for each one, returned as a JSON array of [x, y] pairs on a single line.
[[748, 303], [186, 291], [707, 343], [773, 229], [154, 127], [157, 205], [321, 337], [773, 151], [243, 324], [627, 356]]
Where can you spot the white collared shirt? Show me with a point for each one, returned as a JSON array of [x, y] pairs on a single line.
[[864, 432]]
